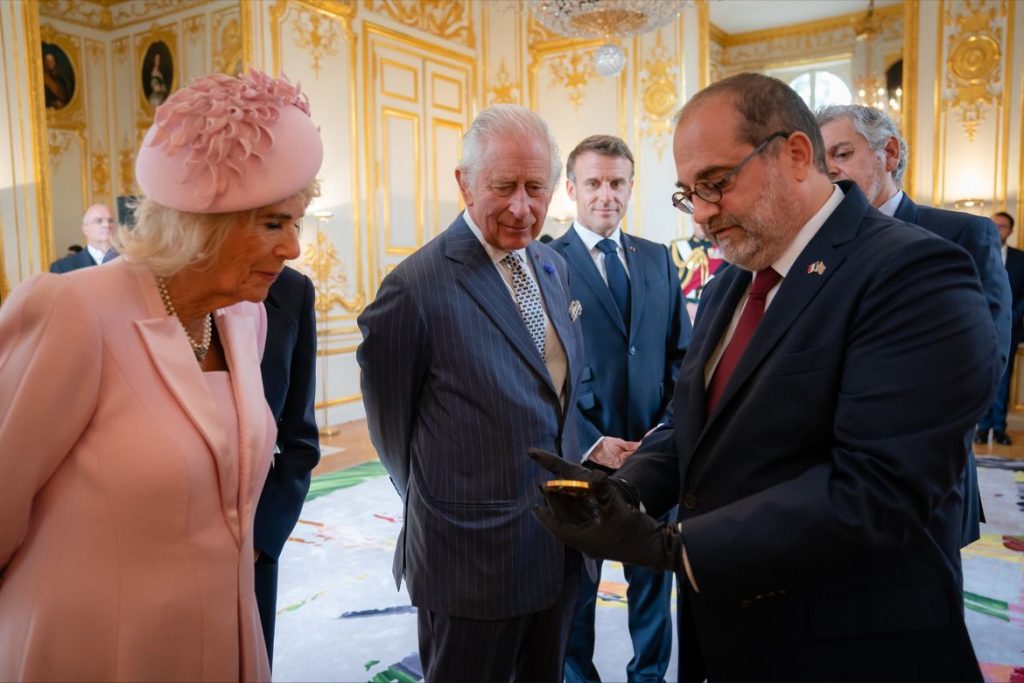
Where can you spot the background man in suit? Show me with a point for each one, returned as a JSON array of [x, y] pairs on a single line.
[[817, 443], [289, 380], [635, 329], [97, 224], [995, 418], [864, 145], [472, 354]]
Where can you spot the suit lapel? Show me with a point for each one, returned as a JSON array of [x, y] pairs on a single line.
[[479, 277], [800, 286], [176, 364], [583, 264], [637, 284], [238, 338], [555, 299]]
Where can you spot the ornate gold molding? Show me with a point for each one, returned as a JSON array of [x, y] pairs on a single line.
[[316, 34], [37, 126], [703, 47], [658, 94], [503, 89], [537, 32], [330, 279], [973, 83], [908, 115], [195, 27], [119, 47], [805, 29], [107, 16], [58, 144], [573, 72], [126, 166], [445, 19], [228, 53], [100, 171]]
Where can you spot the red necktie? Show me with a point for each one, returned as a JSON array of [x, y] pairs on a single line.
[[764, 280]]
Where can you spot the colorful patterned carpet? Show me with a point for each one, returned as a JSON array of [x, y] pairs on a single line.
[[341, 619]]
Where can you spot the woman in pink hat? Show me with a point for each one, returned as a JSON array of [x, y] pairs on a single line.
[[134, 436]]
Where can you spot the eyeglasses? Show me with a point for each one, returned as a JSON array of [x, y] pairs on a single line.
[[711, 192], [102, 221]]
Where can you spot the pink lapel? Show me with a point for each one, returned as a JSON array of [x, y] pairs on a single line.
[[241, 329]]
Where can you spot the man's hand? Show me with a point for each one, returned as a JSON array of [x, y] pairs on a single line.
[[619, 531], [612, 452]]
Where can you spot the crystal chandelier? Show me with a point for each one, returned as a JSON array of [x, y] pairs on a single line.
[[604, 19], [870, 85]]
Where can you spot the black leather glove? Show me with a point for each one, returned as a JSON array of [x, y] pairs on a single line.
[[607, 522]]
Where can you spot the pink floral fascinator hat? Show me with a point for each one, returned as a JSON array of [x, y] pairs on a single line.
[[230, 144]]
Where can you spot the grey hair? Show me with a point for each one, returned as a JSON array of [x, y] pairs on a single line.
[[167, 240], [874, 125], [505, 119]]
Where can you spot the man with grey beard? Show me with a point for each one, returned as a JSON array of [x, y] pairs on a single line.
[[864, 145], [819, 424]]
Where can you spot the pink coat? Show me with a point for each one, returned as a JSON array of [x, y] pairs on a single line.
[[126, 528]]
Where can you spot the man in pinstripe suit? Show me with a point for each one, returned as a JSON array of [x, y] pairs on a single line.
[[471, 355]]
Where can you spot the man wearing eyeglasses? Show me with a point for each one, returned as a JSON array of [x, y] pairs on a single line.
[[863, 144], [97, 224], [819, 423]]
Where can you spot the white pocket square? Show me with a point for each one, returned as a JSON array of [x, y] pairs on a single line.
[[575, 309]]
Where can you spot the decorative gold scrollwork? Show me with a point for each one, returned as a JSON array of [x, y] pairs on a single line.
[[329, 278]]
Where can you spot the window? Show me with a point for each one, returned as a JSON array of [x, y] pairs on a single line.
[[819, 88]]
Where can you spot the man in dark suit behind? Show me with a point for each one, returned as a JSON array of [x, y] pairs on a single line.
[[97, 224], [864, 145], [819, 424], [472, 354], [635, 329], [995, 419], [289, 380]]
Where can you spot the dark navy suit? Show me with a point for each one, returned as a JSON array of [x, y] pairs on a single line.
[[81, 259], [289, 376], [995, 418], [980, 238], [455, 393], [819, 501], [627, 385]]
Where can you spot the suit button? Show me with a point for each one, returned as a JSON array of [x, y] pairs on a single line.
[[632, 350], [689, 501]]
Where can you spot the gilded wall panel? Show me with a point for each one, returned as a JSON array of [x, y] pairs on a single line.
[[313, 44], [413, 134], [227, 42], [974, 81], [401, 181], [449, 20], [503, 23]]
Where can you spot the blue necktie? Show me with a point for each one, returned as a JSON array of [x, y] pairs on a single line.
[[618, 281]]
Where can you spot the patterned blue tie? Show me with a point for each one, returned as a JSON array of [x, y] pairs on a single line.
[[618, 281], [528, 299]]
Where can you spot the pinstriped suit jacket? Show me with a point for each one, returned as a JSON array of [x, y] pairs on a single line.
[[455, 394]]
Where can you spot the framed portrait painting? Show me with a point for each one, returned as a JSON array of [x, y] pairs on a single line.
[[157, 73], [59, 78]]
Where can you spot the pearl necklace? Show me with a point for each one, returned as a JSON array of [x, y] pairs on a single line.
[[201, 347]]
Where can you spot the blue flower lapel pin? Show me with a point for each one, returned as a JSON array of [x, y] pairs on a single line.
[[818, 268], [575, 309], [548, 268]]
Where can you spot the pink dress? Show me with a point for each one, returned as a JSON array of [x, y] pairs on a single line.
[[130, 481]]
